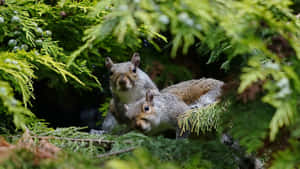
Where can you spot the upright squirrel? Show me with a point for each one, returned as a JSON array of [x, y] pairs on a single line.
[[128, 84], [158, 111]]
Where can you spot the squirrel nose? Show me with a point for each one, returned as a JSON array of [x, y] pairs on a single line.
[[122, 81]]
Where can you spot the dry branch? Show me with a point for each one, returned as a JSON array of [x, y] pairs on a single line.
[[95, 141]]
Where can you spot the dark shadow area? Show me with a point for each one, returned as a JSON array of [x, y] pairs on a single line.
[[66, 106]]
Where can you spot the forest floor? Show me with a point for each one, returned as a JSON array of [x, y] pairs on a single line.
[[71, 148]]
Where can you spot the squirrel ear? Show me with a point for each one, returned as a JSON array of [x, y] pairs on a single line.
[[149, 96], [135, 59], [108, 62]]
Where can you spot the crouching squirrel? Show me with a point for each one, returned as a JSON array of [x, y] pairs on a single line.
[[159, 111], [128, 84]]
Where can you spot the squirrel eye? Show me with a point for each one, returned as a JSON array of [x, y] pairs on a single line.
[[134, 70], [146, 108], [111, 73]]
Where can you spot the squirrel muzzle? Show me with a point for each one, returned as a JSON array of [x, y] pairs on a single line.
[[143, 125], [124, 83]]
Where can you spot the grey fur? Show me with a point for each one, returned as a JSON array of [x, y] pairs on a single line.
[[208, 98], [167, 107], [214, 93], [109, 122]]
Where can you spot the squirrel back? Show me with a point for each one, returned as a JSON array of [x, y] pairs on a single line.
[[192, 90]]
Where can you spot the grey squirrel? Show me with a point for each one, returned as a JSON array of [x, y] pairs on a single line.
[[128, 84], [159, 111]]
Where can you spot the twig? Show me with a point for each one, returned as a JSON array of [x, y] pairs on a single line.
[[99, 141], [116, 152]]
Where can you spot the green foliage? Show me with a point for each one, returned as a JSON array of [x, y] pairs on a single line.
[[20, 72], [282, 86], [197, 162], [248, 123], [42, 27], [205, 119], [17, 70], [264, 34], [42, 39], [181, 152], [13, 107], [80, 149], [82, 145], [104, 108], [265, 63], [260, 28], [141, 159], [30, 51], [288, 158]]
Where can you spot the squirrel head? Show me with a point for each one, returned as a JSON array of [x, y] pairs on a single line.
[[123, 75], [147, 118]]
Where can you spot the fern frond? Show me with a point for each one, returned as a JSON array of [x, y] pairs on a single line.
[[202, 120]]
